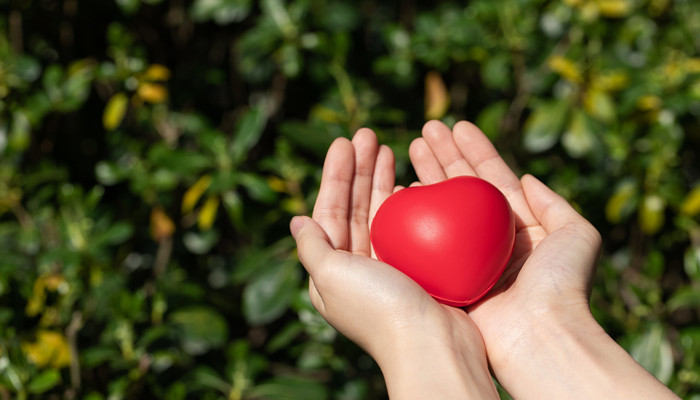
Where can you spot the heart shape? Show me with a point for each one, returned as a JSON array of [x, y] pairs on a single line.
[[454, 238]]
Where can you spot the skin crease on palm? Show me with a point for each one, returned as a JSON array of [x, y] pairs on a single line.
[[543, 292]]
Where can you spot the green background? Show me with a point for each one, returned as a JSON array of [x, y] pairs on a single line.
[[152, 153]]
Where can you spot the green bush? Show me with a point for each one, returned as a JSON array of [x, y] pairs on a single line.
[[153, 152]]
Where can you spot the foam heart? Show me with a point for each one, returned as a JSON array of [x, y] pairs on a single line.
[[454, 237]]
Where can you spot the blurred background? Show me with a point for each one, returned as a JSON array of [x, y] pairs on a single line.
[[152, 153]]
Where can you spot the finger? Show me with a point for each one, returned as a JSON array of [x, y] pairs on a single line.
[[425, 163], [488, 164], [553, 212], [397, 188], [366, 149], [314, 247], [443, 147], [382, 183], [332, 204], [383, 180]]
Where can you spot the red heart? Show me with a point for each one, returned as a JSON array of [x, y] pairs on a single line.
[[454, 237]]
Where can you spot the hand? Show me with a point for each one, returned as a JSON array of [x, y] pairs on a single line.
[[536, 322], [409, 334]]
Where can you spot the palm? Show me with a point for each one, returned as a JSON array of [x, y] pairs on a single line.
[[357, 177], [535, 271]]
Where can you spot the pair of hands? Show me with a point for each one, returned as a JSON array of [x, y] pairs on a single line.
[[423, 347]]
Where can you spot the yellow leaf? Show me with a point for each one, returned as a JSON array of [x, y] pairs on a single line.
[[692, 65], [194, 193], [50, 349], [651, 213], [207, 214], [277, 184], [157, 72], [621, 202], [152, 92], [566, 68], [614, 8], [599, 105], [35, 305], [115, 111], [437, 98], [162, 226], [611, 81], [691, 203], [649, 103]]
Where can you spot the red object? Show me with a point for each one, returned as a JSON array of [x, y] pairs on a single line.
[[454, 237]]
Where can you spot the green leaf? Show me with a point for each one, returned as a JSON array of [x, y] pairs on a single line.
[[544, 126], [683, 297], [579, 138], [117, 233], [691, 262], [200, 328], [180, 161], [257, 188], [652, 350], [269, 294], [290, 388], [44, 381], [200, 243], [247, 133], [221, 11], [489, 120]]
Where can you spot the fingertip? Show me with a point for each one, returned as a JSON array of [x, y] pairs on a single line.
[[296, 224]]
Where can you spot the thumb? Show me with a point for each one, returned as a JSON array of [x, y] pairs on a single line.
[[313, 244]]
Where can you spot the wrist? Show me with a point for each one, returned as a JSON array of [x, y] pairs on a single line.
[[437, 361], [569, 355]]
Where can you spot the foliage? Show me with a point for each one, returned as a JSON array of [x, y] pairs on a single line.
[[152, 153]]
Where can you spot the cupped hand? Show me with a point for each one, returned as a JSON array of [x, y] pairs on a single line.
[[370, 302], [552, 265]]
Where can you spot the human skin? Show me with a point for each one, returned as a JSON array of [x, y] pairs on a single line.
[[425, 349], [541, 338]]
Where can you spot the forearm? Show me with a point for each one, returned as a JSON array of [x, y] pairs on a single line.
[[574, 359]]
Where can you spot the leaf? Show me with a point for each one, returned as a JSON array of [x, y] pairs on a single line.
[[691, 203], [437, 98], [289, 388], [50, 349], [44, 381], [614, 8], [221, 11], [651, 213], [269, 294], [565, 68], [653, 351], [156, 72], [195, 192], [200, 243], [247, 133], [489, 120], [207, 214], [599, 105], [200, 328], [691, 262], [544, 125], [684, 297], [117, 233], [258, 187], [578, 139], [152, 92], [622, 203], [115, 111], [162, 226]]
